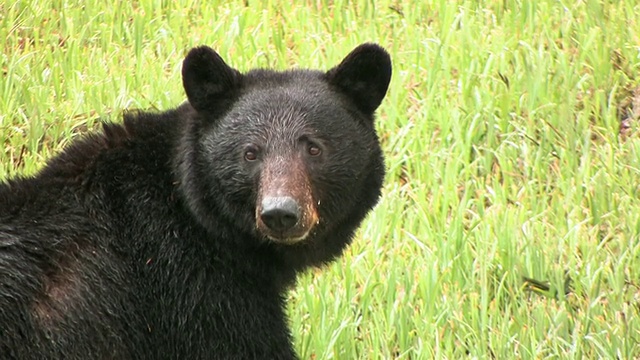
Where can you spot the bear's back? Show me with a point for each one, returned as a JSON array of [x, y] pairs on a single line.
[[64, 272]]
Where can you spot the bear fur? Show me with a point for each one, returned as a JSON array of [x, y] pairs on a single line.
[[176, 235]]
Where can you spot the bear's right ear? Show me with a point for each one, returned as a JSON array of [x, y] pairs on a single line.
[[364, 76], [207, 78]]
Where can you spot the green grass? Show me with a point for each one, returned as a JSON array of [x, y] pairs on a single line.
[[501, 129]]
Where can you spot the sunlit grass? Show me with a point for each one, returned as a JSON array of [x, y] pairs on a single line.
[[501, 129]]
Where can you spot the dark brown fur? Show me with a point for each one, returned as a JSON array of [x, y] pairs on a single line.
[[145, 241]]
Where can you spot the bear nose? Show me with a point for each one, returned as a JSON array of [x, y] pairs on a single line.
[[280, 213]]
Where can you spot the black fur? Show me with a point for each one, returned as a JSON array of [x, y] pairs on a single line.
[[141, 242]]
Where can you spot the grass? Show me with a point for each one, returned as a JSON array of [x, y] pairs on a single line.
[[504, 153]]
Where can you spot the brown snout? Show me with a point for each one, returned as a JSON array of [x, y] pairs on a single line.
[[286, 209]]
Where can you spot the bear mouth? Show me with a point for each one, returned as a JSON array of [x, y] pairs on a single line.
[[292, 236], [285, 239]]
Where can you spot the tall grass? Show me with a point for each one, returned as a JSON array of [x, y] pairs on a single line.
[[504, 155]]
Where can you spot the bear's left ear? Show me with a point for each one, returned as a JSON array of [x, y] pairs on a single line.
[[207, 79], [364, 76]]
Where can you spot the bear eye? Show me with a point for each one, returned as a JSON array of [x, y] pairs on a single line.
[[314, 150], [251, 154]]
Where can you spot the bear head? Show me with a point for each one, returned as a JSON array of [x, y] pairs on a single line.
[[287, 157]]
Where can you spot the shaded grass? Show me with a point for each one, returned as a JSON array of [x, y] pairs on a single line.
[[503, 154]]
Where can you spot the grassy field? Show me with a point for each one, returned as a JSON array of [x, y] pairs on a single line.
[[510, 223]]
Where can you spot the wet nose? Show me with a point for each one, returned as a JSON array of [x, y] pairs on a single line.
[[280, 213]]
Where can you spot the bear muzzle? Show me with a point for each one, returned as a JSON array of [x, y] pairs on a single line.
[[285, 220], [285, 211]]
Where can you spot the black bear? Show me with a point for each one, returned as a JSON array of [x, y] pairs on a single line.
[[176, 235]]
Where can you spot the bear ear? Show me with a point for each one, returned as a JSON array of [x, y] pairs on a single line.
[[364, 76], [207, 78]]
